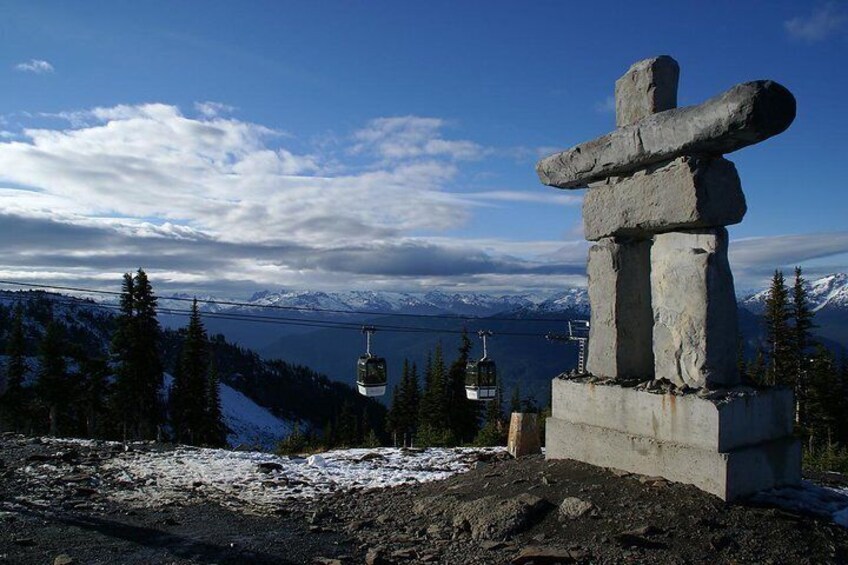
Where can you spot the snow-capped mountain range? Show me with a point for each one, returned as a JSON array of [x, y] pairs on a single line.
[[826, 293], [433, 302]]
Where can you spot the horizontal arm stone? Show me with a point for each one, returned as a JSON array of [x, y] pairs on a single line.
[[746, 114]]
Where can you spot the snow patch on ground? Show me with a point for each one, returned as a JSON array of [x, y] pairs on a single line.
[[809, 498], [144, 475]]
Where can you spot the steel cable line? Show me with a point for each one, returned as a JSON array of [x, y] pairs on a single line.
[[280, 307]]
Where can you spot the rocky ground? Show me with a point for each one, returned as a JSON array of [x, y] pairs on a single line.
[[57, 505]]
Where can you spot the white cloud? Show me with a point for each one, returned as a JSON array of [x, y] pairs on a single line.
[[113, 188], [37, 66], [534, 197], [755, 258], [408, 137], [825, 21], [213, 109]]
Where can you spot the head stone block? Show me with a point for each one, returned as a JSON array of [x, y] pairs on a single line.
[[648, 87]]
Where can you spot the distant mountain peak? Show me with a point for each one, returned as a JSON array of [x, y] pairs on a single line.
[[827, 292]]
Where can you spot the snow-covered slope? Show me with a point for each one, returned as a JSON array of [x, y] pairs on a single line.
[[826, 293], [248, 423]]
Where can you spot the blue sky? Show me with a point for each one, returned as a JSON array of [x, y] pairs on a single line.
[[228, 147]]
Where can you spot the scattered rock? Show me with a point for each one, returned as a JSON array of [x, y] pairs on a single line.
[[405, 553], [269, 466], [573, 508], [85, 491], [435, 531], [636, 538], [721, 542], [375, 556], [491, 518], [316, 461], [371, 456], [538, 555], [359, 525], [68, 456]]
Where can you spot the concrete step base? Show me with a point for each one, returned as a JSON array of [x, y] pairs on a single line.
[[729, 475]]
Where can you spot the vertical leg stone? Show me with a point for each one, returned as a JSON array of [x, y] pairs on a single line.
[[620, 297], [694, 304]]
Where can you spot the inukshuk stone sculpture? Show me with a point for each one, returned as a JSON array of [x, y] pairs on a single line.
[[661, 292]]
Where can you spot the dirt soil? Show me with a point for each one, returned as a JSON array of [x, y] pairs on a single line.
[[504, 511]]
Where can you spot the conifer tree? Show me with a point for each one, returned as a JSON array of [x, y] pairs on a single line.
[[802, 316], [149, 370], [433, 418], [135, 350], [463, 413], [825, 404], [94, 384], [397, 418], [778, 332], [346, 426], [14, 399], [123, 348], [52, 383], [189, 402], [216, 430], [411, 402]]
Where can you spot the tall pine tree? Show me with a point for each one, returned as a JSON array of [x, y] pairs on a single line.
[[802, 317], [136, 353], [189, 404], [778, 333], [216, 431], [149, 372], [14, 401], [123, 354], [52, 384], [463, 414]]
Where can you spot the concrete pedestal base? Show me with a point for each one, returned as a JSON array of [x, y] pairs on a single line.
[[731, 444]]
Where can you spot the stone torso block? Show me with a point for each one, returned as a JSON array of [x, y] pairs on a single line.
[[686, 193], [620, 299], [694, 304]]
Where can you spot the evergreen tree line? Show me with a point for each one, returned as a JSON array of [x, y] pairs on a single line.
[[426, 410], [437, 411], [792, 357], [77, 390]]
